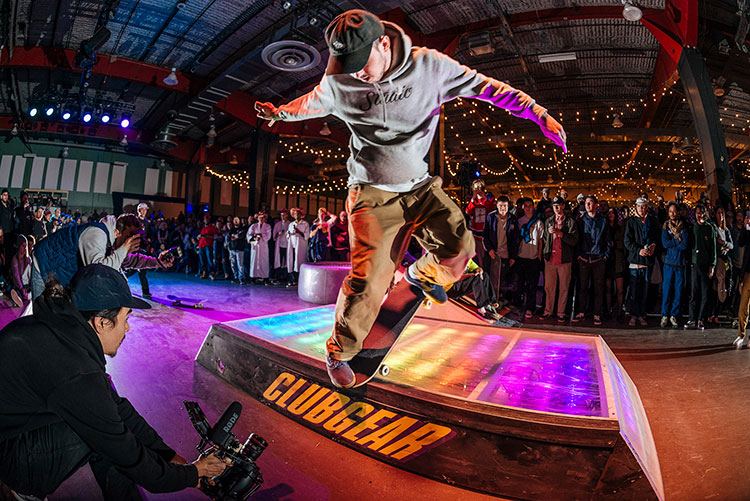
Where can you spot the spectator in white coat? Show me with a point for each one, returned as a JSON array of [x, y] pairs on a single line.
[[296, 252], [280, 230], [258, 237]]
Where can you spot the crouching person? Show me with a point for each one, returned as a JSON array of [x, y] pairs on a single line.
[[58, 409]]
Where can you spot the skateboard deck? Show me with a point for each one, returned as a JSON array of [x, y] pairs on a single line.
[[184, 302], [396, 312]]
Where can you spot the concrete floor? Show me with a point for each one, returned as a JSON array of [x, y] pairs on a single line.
[[694, 386]]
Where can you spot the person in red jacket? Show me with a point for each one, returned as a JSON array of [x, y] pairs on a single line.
[[478, 208], [206, 248]]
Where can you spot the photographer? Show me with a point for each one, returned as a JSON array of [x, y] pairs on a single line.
[[114, 242], [58, 409]]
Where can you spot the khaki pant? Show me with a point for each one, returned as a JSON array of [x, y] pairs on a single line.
[[380, 226], [744, 309], [554, 277]]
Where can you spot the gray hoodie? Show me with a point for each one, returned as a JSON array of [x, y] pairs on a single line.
[[392, 122]]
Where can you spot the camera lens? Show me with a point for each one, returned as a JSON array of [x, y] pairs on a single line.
[[254, 446]]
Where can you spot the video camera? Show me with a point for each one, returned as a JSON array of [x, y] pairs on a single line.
[[240, 480]]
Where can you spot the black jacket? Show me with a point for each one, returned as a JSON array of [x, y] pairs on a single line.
[[639, 235], [7, 220], [512, 230], [52, 370], [569, 239]]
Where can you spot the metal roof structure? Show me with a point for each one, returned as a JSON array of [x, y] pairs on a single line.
[[615, 68]]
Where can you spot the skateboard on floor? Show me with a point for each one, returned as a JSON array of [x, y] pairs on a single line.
[[396, 312], [184, 302]]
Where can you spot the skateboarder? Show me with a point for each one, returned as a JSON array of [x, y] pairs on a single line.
[[389, 94]]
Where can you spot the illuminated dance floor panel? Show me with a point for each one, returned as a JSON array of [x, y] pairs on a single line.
[[510, 367], [508, 411]]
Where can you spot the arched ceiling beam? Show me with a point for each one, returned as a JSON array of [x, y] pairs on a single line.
[[54, 58]]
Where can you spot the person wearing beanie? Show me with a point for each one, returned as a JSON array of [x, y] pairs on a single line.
[[389, 94]]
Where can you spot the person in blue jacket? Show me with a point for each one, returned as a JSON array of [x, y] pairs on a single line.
[[593, 250], [674, 238]]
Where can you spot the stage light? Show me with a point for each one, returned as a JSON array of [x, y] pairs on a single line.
[[14, 130], [105, 118], [617, 123], [125, 122], [325, 130], [171, 79], [477, 174], [33, 111], [66, 115], [49, 111], [87, 116], [124, 141]]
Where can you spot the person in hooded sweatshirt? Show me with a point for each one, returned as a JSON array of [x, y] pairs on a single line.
[[389, 94], [59, 409], [114, 242]]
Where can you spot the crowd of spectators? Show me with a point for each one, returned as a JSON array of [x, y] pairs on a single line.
[[246, 250], [581, 259]]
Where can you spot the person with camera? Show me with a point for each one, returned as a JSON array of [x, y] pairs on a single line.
[[112, 241], [59, 409]]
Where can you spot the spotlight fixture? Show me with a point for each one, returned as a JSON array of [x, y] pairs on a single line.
[[605, 165], [287, 5], [49, 111], [33, 111], [105, 117], [171, 79], [617, 123], [325, 130], [14, 130], [66, 114], [318, 161], [125, 122], [234, 160], [631, 12], [124, 141], [87, 116]]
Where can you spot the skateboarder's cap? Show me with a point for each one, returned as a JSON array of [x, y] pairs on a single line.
[[349, 37], [97, 287]]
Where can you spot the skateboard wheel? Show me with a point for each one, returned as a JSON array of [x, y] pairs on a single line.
[[384, 370]]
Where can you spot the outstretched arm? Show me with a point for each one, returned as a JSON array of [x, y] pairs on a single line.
[[462, 81], [316, 103]]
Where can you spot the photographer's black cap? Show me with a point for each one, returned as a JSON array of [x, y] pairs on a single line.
[[98, 287], [349, 37]]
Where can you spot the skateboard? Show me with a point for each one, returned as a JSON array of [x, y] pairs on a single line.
[[396, 312], [183, 302]]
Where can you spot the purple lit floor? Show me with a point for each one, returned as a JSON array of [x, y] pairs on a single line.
[[695, 389]]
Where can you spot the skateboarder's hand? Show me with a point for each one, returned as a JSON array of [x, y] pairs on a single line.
[[267, 111], [480, 272], [554, 130]]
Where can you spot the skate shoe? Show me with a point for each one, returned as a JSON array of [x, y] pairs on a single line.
[[434, 292]]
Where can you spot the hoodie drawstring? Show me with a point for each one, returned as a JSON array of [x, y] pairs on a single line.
[[382, 100]]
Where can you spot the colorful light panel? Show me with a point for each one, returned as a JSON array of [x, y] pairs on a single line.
[[510, 367]]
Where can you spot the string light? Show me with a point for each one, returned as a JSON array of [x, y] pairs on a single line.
[[312, 188], [242, 180]]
